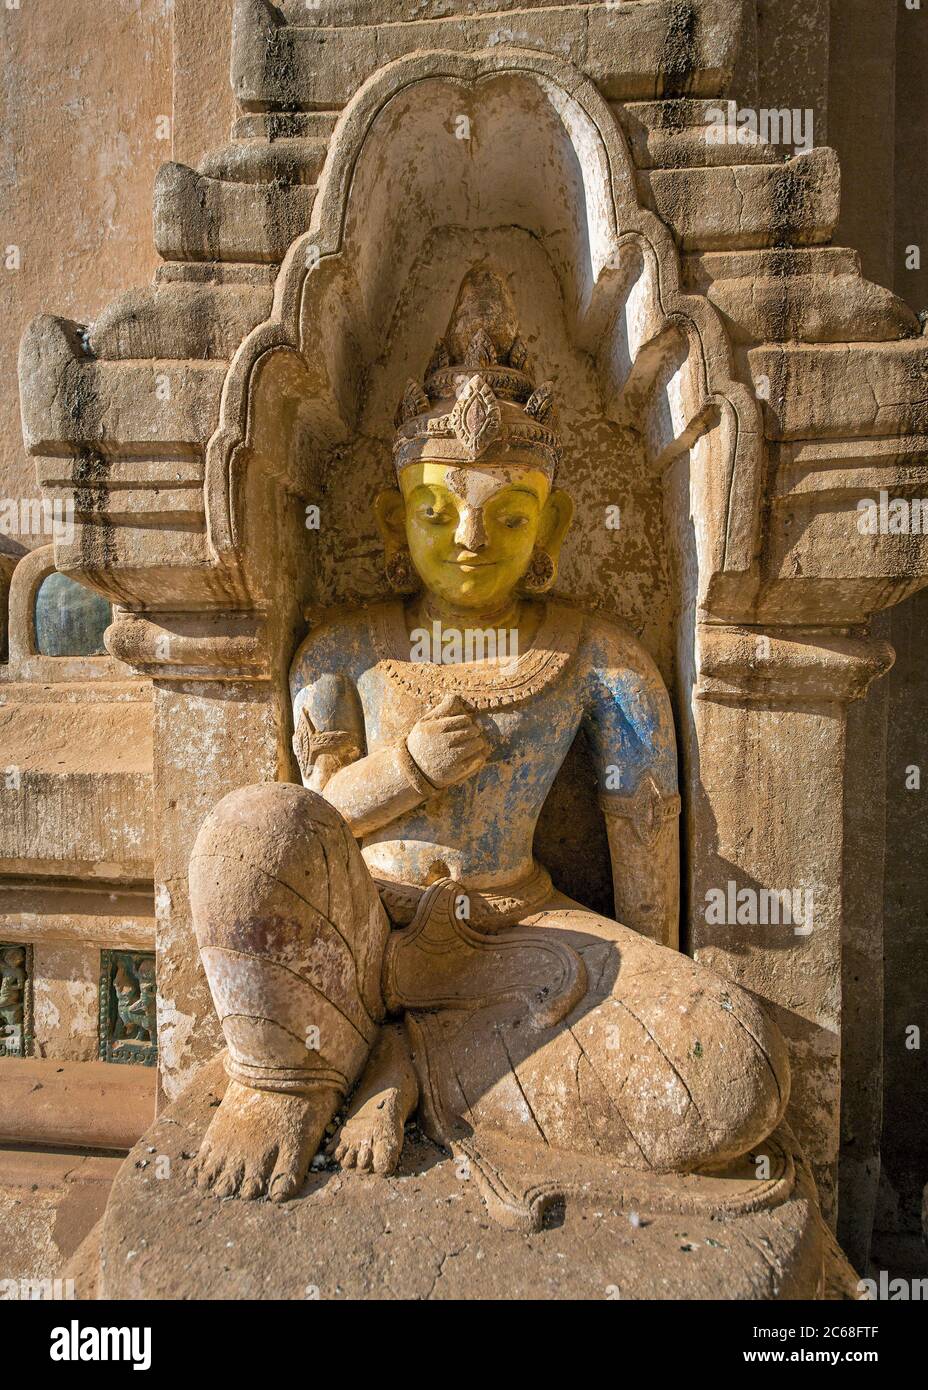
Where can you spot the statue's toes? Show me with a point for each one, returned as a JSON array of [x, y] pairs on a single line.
[[290, 1170], [258, 1170], [283, 1187], [229, 1181], [387, 1154], [206, 1168]]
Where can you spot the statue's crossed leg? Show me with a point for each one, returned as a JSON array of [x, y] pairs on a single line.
[[294, 941]]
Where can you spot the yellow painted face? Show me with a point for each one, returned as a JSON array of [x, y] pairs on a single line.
[[471, 530]]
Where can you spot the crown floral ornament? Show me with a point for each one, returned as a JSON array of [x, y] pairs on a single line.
[[478, 390]]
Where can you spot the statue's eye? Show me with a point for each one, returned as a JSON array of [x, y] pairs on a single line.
[[438, 516], [515, 522]]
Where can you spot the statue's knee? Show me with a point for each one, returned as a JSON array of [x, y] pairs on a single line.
[[752, 1088], [288, 921], [266, 859], [715, 1067]]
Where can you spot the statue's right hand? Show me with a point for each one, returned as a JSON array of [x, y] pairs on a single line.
[[446, 744]]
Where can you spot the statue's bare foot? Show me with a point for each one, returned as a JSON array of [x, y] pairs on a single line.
[[371, 1139], [260, 1143]]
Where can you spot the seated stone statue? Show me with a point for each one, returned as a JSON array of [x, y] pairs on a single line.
[[382, 936]]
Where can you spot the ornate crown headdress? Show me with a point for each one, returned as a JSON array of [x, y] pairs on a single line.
[[478, 389]]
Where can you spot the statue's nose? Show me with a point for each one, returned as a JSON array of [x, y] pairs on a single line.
[[471, 532]]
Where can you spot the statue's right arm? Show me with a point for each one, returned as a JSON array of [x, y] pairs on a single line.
[[443, 747], [368, 789], [372, 789]]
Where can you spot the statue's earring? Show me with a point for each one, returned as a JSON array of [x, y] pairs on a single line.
[[400, 571], [540, 573]]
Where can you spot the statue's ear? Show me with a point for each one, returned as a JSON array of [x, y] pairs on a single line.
[[556, 517], [390, 510]]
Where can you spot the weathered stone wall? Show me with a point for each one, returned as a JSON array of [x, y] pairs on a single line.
[[69, 123], [878, 122], [910, 222], [860, 65], [905, 950], [82, 86], [905, 1140], [86, 92]]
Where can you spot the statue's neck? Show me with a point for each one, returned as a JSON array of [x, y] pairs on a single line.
[[518, 618], [429, 608]]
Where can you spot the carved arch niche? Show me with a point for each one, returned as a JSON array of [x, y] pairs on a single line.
[[441, 163]]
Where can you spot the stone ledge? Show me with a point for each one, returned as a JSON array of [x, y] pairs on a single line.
[[94, 1105], [75, 404], [180, 321], [673, 134], [293, 161], [285, 125], [809, 294], [85, 912], [843, 391], [787, 666], [211, 219], [348, 14], [643, 50], [216, 273], [747, 205]]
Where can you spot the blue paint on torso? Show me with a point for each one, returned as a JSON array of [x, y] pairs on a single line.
[[609, 686]]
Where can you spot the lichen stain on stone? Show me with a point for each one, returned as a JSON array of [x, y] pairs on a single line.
[[789, 201]]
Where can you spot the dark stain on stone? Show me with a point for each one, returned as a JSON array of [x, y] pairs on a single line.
[[785, 314], [91, 502], [280, 75], [672, 117], [283, 125], [915, 411], [678, 58], [203, 328], [209, 216], [789, 204]]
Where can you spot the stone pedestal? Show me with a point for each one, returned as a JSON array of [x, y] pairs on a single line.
[[425, 1233]]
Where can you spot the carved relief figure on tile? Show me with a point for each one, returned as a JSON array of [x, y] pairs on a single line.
[[381, 941], [14, 987], [128, 1026]]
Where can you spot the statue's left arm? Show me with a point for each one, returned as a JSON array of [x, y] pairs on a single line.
[[630, 726]]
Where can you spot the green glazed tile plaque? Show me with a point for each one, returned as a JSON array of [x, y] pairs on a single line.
[[128, 1027], [15, 999]]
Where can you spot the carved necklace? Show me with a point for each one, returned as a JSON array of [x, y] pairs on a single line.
[[490, 684]]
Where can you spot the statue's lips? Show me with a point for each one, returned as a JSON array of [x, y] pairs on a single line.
[[469, 565]]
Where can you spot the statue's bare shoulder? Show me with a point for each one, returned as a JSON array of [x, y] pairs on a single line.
[[338, 645], [610, 648]]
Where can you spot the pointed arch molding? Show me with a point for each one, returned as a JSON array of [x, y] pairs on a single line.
[[630, 257]]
